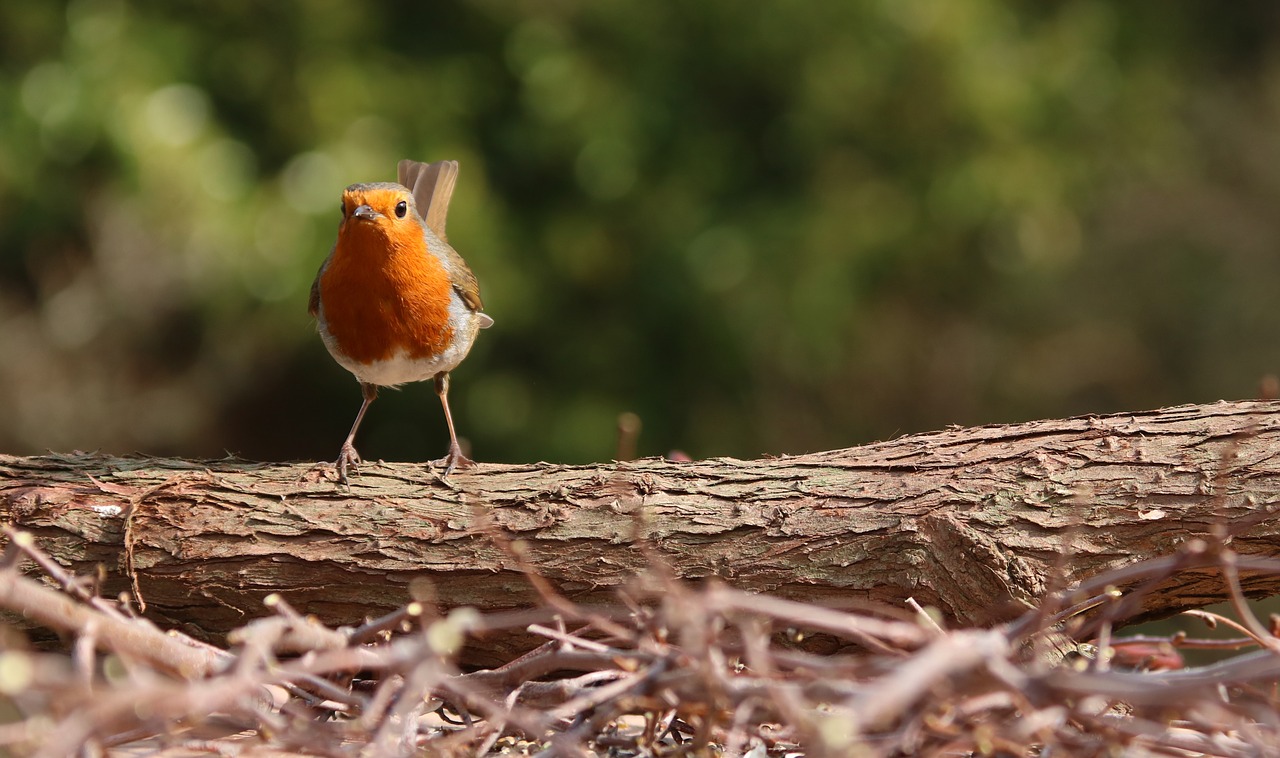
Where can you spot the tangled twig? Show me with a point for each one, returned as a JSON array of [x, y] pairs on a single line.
[[675, 669]]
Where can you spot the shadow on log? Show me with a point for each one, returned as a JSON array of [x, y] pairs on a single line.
[[978, 522]]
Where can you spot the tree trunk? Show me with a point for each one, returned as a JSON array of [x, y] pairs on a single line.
[[977, 522]]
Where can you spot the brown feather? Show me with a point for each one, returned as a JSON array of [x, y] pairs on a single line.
[[432, 186], [313, 304]]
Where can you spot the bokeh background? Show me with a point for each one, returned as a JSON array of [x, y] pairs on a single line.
[[764, 227]]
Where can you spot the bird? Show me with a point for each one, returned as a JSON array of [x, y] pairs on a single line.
[[394, 302]]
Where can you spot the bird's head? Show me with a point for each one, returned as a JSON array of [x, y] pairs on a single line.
[[383, 210]]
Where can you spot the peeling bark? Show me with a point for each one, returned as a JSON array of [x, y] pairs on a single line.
[[977, 522]]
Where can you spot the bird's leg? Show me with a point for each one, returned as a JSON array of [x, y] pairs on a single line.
[[348, 455], [455, 458]]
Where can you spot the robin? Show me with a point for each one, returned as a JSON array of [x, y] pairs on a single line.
[[394, 302]]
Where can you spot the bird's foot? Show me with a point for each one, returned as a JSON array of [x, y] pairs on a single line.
[[347, 456], [455, 459]]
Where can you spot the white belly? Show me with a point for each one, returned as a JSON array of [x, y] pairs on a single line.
[[400, 368]]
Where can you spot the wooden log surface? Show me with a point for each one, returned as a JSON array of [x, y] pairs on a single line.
[[978, 522]]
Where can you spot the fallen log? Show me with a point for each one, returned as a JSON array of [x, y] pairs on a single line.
[[977, 522]]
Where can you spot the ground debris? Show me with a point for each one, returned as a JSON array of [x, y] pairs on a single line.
[[672, 669]]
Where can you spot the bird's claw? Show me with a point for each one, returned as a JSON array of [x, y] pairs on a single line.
[[347, 456], [455, 459]]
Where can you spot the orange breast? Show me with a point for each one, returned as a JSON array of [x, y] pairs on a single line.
[[382, 292]]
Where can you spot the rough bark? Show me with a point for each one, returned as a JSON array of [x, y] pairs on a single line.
[[977, 522]]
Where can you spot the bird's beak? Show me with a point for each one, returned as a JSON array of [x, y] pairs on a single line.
[[365, 211]]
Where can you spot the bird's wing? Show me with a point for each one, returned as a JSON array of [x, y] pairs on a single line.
[[464, 281], [313, 304]]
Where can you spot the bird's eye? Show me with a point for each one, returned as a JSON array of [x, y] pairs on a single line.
[[401, 208]]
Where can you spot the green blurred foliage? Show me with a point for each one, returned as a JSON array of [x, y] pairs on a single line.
[[764, 227]]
